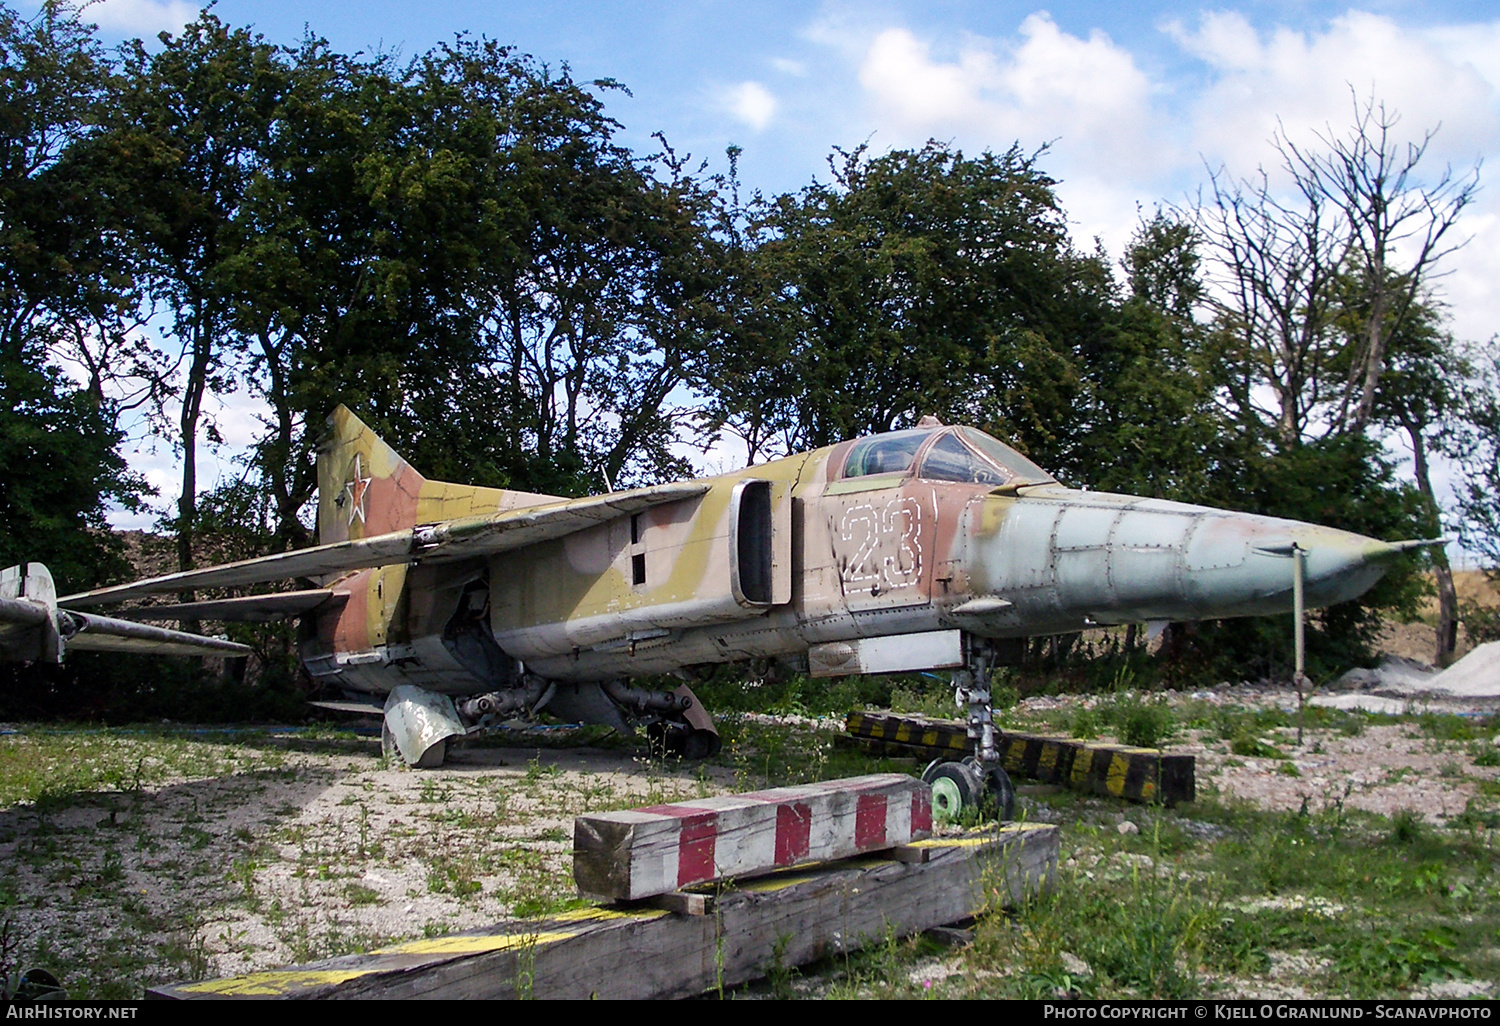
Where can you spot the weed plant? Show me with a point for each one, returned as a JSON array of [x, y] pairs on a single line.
[[1486, 755]]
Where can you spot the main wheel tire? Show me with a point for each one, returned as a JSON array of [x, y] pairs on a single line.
[[660, 740], [956, 790], [701, 744]]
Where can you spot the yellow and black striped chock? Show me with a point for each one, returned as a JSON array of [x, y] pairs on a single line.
[[1119, 771]]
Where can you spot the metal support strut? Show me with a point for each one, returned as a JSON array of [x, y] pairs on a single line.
[[971, 688]]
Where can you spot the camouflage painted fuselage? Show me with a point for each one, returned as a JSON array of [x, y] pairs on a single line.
[[795, 555]]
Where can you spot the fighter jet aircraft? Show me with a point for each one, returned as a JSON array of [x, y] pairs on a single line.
[[451, 608]]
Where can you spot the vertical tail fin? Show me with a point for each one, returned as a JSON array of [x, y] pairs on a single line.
[[364, 487]]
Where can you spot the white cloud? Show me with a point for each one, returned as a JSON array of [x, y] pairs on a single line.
[[1310, 81], [141, 17], [789, 67], [845, 29], [1445, 79], [1470, 287], [752, 104], [1477, 46], [1046, 84]]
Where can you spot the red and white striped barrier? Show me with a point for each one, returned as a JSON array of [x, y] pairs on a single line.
[[656, 850]]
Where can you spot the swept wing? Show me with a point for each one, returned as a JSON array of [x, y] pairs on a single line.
[[32, 627], [451, 540]]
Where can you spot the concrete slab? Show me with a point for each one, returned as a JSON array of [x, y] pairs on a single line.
[[1356, 701]]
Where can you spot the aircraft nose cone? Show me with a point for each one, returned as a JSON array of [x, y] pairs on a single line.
[[1338, 565], [1060, 558]]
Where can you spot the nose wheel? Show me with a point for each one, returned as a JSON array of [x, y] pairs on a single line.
[[969, 790]]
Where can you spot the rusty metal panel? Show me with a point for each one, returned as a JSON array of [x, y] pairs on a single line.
[[1146, 559], [781, 544], [1220, 542], [1023, 558], [1081, 553]]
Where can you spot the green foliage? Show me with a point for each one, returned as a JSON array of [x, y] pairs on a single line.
[[1393, 959], [921, 281], [1250, 746], [1447, 727], [1085, 723], [1407, 826], [460, 248], [1475, 444], [64, 279], [1137, 933], [58, 469], [1340, 482], [1486, 755], [1151, 426], [734, 688], [1135, 719], [933, 700], [1481, 623], [1145, 724], [460, 251]]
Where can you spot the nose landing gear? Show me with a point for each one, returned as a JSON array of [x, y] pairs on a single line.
[[977, 785]]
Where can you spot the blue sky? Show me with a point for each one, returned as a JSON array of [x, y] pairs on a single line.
[[1134, 100]]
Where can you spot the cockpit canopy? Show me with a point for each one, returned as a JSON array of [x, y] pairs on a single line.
[[944, 454]]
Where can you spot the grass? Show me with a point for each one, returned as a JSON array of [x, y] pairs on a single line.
[[1221, 899], [201, 851], [1374, 910]]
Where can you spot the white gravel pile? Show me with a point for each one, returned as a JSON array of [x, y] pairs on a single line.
[[1476, 675], [1471, 685]]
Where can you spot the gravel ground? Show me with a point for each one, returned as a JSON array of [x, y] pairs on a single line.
[[309, 847], [1387, 767]]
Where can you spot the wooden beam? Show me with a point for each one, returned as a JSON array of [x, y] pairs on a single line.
[[1119, 771], [625, 856], [786, 919]]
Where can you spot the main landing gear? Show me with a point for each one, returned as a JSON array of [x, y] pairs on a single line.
[[977, 785]]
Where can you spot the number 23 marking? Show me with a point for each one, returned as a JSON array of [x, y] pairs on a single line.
[[889, 551]]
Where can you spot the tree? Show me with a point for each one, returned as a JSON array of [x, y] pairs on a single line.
[[1476, 446], [1323, 302], [191, 124], [59, 258], [1399, 228], [922, 281], [1356, 209], [458, 250], [604, 294], [65, 288], [1274, 273], [1420, 396], [1146, 413]]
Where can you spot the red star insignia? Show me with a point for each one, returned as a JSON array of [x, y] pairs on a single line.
[[355, 490]]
